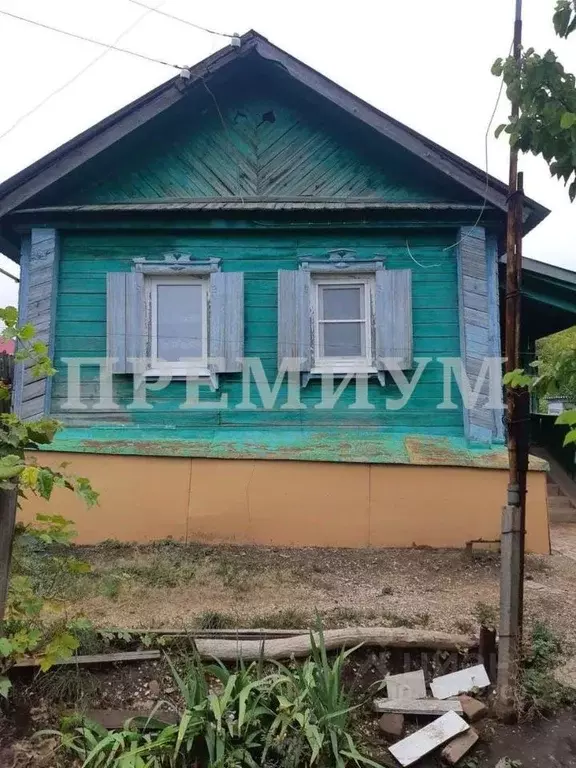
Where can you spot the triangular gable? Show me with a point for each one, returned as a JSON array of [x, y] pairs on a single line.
[[261, 145], [55, 167]]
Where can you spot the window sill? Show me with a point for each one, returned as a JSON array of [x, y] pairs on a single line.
[[178, 373], [343, 370]]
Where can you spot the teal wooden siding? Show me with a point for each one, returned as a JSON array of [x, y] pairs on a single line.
[[81, 326], [255, 146]]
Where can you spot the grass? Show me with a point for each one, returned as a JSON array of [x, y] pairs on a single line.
[[289, 618], [68, 685], [255, 715], [540, 692], [216, 620]]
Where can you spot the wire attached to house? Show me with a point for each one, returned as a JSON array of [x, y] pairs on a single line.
[[85, 39], [10, 275], [184, 21], [486, 158], [415, 260], [78, 74]]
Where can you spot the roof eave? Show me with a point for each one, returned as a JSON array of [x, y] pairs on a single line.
[[54, 166]]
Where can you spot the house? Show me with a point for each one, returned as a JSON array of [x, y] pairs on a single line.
[[265, 299]]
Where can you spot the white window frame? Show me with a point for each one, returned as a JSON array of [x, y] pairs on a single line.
[[197, 367], [344, 365]]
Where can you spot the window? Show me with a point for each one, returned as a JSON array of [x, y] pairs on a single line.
[[177, 324], [343, 324]]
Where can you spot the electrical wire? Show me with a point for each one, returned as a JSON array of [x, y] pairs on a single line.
[[486, 158], [415, 260], [78, 74], [93, 41], [11, 276], [184, 21]]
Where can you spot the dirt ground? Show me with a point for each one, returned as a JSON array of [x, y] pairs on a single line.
[[174, 586], [544, 743]]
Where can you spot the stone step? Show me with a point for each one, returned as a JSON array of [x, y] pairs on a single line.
[[563, 502], [562, 514], [552, 489]]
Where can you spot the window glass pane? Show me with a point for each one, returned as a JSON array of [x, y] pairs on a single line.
[[179, 321], [342, 339], [342, 302]]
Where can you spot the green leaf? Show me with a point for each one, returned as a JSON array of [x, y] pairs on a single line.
[[6, 647], [5, 686], [567, 417], [9, 315], [570, 437], [45, 483], [567, 120], [497, 67], [27, 332], [499, 130]]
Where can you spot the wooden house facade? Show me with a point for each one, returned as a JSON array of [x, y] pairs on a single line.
[[198, 261]]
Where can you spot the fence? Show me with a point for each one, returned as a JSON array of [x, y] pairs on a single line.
[[6, 375]]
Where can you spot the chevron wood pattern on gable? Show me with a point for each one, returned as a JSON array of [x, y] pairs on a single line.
[[255, 147]]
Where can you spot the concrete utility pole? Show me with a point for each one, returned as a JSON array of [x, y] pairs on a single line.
[[518, 415]]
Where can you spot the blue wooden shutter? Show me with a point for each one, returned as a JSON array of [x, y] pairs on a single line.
[[226, 336], [125, 327], [37, 304], [294, 323], [393, 316], [476, 325]]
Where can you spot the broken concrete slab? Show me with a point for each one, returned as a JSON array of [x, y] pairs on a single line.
[[460, 682], [472, 708], [461, 745], [410, 685], [426, 707], [392, 724], [418, 744]]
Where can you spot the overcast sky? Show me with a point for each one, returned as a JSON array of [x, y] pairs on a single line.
[[425, 63]]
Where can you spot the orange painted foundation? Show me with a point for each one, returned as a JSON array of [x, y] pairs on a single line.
[[290, 503]]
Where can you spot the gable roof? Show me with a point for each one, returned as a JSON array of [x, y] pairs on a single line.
[[53, 167]]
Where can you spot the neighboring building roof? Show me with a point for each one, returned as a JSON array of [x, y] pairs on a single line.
[[7, 346], [547, 270], [28, 183], [548, 297]]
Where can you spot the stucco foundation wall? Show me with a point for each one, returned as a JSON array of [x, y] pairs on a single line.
[[290, 503]]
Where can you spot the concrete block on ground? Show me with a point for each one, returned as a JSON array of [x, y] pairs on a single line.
[[455, 751], [410, 685], [432, 736], [426, 707], [460, 682], [392, 724], [473, 709]]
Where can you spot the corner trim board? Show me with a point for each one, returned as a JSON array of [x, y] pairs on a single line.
[[477, 327], [38, 291], [22, 318]]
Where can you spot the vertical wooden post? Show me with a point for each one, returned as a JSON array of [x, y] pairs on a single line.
[[8, 503], [517, 402], [8, 499]]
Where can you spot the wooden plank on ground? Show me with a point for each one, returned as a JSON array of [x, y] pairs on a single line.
[[463, 681], [209, 633], [427, 707], [418, 744], [97, 658], [334, 639]]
